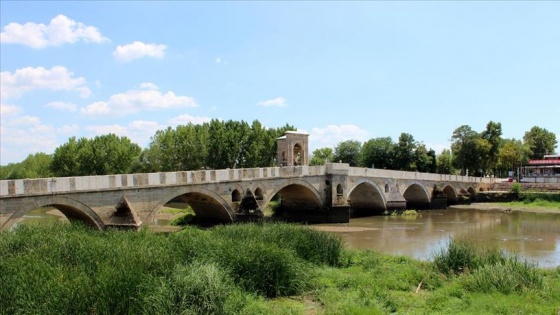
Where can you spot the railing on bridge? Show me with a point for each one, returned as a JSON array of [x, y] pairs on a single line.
[[42, 186]]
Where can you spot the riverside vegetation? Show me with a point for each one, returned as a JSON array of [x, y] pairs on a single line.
[[255, 269]]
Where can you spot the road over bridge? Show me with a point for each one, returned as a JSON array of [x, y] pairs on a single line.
[[329, 193]]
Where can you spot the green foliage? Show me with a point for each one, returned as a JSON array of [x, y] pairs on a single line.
[[321, 156], [444, 162], [34, 166], [405, 153], [510, 275], [215, 145], [70, 269], [378, 152], [184, 219], [102, 155], [462, 255], [536, 197], [196, 288], [348, 152], [516, 189], [493, 135], [540, 142]]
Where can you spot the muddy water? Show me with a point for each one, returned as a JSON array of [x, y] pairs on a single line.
[[534, 236]]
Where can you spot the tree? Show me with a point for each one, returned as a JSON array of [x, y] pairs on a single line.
[[424, 159], [540, 141], [462, 147], [444, 162], [404, 153], [492, 134], [102, 155], [348, 152], [378, 153], [321, 156], [513, 154], [34, 166], [65, 158]]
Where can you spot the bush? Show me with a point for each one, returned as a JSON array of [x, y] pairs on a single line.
[[516, 189]]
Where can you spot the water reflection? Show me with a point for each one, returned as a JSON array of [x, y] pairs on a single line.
[[535, 236]]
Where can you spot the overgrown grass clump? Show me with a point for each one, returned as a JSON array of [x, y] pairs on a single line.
[[69, 269], [487, 269]]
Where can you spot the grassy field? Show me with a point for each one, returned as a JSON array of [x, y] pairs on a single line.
[[255, 269]]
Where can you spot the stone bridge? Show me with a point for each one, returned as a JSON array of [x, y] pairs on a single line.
[[329, 193]]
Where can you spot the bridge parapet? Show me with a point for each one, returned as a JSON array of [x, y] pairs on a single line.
[[43, 186]]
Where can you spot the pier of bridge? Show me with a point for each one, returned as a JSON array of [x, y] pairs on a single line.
[[329, 193]]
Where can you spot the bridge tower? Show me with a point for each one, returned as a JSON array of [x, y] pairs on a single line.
[[292, 149]]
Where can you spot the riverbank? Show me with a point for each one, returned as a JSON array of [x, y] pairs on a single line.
[[254, 269], [550, 207]]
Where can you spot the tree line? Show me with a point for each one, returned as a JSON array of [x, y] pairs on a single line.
[[213, 145], [238, 144], [473, 153]]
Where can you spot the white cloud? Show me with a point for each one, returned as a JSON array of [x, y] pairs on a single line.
[[137, 49], [30, 121], [148, 86], [6, 109], [63, 106], [186, 118], [331, 135], [58, 78], [138, 131], [61, 30], [218, 60], [25, 135], [276, 102], [138, 100]]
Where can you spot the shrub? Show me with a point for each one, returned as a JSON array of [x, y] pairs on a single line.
[[516, 189]]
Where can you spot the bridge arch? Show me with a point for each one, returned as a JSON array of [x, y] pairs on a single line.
[[207, 204], [297, 195], [472, 191], [73, 210], [451, 194], [366, 198], [417, 196]]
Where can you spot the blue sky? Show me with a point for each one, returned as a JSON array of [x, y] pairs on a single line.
[[337, 70]]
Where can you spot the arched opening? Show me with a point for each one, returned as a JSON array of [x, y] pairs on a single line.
[[298, 155], [417, 197], [298, 202], [387, 188], [248, 192], [235, 195], [52, 209], [472, 192], [451, 195], [259, 194], [339, 190], [193, 205], [366, 199]]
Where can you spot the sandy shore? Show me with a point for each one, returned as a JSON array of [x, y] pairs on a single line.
[[494, 206]]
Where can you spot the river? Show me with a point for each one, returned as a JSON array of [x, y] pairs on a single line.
[[533, 236]]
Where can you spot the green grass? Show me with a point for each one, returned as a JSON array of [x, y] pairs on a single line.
[[255, 269]]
